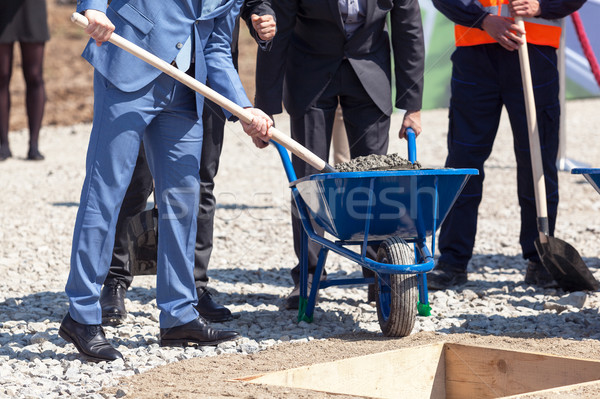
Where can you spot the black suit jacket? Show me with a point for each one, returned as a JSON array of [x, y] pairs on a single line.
[[311, 44], [258, 7]]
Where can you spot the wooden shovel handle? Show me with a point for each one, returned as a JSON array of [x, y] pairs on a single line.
[[534, 137], [246, 116]]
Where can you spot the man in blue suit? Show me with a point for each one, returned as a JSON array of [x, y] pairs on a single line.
[[135, 101], [261, 22]]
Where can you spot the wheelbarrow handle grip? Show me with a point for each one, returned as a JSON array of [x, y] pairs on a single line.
[[246, 116], [411, 138]]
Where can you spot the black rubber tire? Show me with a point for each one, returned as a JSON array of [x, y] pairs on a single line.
[[397, 294]]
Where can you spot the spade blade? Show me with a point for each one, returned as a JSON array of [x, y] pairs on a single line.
[[565, 265]]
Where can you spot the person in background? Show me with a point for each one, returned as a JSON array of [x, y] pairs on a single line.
[[23, 21], [135, 101], [485, 77], [339, 139], [261, 22], [337, 52]]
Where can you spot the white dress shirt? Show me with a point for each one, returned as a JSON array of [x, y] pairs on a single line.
[[353, 14]]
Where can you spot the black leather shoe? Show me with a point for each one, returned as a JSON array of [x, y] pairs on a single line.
[[5, 152], [196, 332], [293, 299], [209, 309], [112, 301], [445, 276], [537, 275], [34, 155], [89, 340], [371, 293]]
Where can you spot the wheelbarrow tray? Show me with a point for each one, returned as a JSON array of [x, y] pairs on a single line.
[[381, 204], [592, 175]]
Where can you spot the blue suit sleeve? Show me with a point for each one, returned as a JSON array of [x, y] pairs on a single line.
[[221, 73], [99, 5]]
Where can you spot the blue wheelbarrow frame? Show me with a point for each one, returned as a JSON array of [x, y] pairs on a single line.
[[592, 175], [421, 198]]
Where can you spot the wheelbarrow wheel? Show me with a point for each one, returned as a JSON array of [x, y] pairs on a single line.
[[397, 294]]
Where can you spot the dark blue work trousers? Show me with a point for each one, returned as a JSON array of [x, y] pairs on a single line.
[[485, 78]]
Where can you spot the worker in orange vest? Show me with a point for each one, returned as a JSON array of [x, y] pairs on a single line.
[[485, 77]]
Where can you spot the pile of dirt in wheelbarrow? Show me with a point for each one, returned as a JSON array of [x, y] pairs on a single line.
[[377, 162]]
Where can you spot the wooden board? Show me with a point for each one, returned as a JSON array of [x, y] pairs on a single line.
[[481, 372], [439, 371], [410, 373]]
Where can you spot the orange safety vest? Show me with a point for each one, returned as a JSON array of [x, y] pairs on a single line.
[[540, 31]]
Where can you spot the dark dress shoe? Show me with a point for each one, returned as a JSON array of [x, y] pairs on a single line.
[[34, 155], [112, 301], [371, 293], [292, 301], [196, 332], [5, 152], [445, 276], [537, 275], [89, 340], [209, 309]]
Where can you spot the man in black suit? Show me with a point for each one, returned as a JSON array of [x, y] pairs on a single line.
[[261, 22], [338, 51]]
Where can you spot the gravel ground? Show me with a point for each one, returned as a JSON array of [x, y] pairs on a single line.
[[252, 256]]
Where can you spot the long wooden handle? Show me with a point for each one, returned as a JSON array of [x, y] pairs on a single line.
[[534, 138], [246, 116]]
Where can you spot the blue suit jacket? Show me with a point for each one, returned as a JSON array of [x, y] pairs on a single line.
[[159, 26]]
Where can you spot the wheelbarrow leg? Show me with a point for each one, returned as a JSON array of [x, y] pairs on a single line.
[[303, 273], [423, 306], [306, 307]]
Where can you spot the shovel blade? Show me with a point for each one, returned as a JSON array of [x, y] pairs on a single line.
[[565, 265]]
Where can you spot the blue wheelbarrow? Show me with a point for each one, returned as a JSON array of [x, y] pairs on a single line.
[[397, 211], [592, 175]]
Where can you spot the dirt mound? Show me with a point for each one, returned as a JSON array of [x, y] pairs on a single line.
[[377, 162]]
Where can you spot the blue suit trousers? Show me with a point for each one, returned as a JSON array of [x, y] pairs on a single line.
[[164, 114]]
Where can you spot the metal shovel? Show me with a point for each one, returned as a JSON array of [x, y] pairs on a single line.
[[561, 260]]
